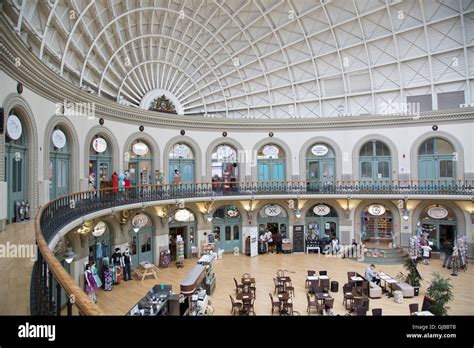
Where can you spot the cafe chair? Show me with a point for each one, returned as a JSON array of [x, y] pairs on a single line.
[[377, 312], [317, 290], [413, 308], [308, 282], [311, 304], [358, 302], [275, 304], [313, 284], [288, 307], [324, 284], [365, 288], [253, 291], [278, 287], [325, 273], [348, 296], [360, 311], [238, 287], [329, 302], [236, 306], [290, 290], [248, 306], [349, 275], [280, 273]]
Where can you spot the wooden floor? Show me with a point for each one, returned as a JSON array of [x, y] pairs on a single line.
[[16, 272], [264, 267]]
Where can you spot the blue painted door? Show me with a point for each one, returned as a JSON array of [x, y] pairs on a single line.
[[15, 170], [59, 181], [228, 237], [185, 167], [141, 245]]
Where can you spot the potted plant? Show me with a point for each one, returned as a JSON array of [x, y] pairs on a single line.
[[413, 276], [441, 293]]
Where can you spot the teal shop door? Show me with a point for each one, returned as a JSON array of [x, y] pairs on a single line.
[[227, 237], [141, 245], [15, 170], [271, 170], [185, 167], [59, 180]]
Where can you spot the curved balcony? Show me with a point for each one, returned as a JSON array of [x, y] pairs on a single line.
[[55, 215]]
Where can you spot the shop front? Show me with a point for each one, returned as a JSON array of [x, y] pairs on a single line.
[[376, 223], [100, 164], [181, 164], [182, 223], [224, 168], [439, 223], [140, 163], [322, 221], [320, 167], [141, 241], [274, 218], [227, 228]]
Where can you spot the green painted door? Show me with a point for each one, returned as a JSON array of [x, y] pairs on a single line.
[[185, 167], [15, 170], [141, 245], [59, 175]]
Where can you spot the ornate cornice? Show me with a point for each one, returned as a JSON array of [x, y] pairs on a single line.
[[34, 74]]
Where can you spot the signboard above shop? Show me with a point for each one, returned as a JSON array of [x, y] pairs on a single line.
[[319, 150], [376, 209], [321, 210], [437, 212], [140, 149]]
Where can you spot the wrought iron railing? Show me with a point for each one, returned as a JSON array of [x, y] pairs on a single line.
[[57, 213]]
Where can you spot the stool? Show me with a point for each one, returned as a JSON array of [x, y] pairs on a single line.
[[334, 286], [398, 296]]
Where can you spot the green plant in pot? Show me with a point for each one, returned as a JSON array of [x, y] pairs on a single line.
[[441, 293], [413, 276]]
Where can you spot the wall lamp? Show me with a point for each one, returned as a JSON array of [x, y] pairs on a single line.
[[69, 255]]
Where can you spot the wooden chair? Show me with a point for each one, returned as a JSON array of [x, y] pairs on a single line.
[[253, 291], [358, 302], [236, 306], [349, 275], [238, 287], [324, 284], [275, 304], [360, 311], [364, 289], [413, 308], [311, 304], [290, 290], [308, 282], [377, 312], [313, 284], [323, 273], [288, 307], [317, 290], [348, 296], [280, 273], [248, 307], [329, 302], [278, 287]]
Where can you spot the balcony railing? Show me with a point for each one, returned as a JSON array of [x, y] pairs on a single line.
[[57, 213]]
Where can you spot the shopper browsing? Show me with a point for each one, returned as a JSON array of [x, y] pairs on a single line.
[[371, 275], [426, 254]]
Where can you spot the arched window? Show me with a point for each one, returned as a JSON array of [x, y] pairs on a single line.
[[100, 163], [181, 164], [140, 163], [375, 161], [320, 166], [224, 166], [271, 163], [59, 163], [436, 160], [16, 159]]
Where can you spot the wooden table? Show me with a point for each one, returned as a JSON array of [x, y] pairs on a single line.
[[321, 297], [310, 278], [423, 314], [357, 279], [144, 270], [244, 297], [248, 281], [284, 279]]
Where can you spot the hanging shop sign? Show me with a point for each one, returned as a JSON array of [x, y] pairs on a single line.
[[224, 152], [438, 212], [321, 210], [58, 138], [140, 149], [232, 211], [181, 150], [140, 220], [14, 128], [99, 145], [182, 215], [376, 209], [319, 150], [99, 229], [273, 210], [271, 151]]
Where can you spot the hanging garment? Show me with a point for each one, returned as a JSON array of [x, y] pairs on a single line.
[[117, 274], [115, 182], [108, 279], [105, 248], [96, 277], [98, 251], [91, 285]]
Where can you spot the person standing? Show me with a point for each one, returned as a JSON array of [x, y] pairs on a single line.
[[448, 253], [278, 241], [177, 177], [127, 262], [426, 254]]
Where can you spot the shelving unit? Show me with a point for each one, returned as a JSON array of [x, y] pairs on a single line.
[[179, 254], [210, 281]]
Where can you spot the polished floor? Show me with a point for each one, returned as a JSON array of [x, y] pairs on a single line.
[[264, 268], [16, 274]]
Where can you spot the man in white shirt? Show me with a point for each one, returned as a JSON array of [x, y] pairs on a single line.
[[371, 275]]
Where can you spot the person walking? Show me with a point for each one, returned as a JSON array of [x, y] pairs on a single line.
[[278, 241], [448, 253]]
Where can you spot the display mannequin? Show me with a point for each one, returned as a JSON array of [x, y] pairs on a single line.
[[115, 182], [96, 276], [177, 177], [121, 181], [91, 285], [127, 179], [108, 274], [105, 247], [92, 181], [98, 250], [117, 263], [127, 261]]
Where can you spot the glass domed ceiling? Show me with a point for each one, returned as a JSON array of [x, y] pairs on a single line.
[[257, 59]]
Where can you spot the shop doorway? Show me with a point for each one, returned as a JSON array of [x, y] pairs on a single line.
[[377, 223], [174, 232], [141, 245], [226, 225]]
